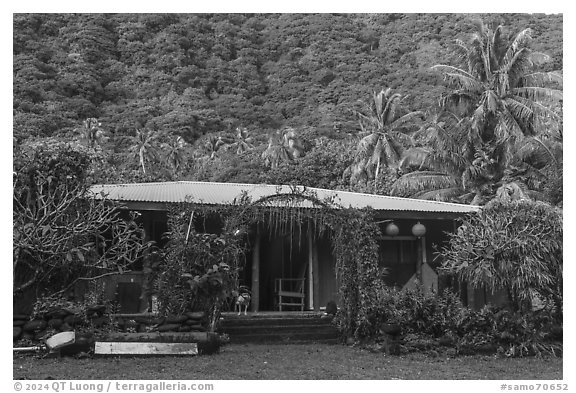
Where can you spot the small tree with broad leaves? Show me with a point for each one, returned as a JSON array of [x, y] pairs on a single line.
[[62, 233], [514, 245]]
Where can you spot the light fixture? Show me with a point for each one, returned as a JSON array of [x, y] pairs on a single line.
[[392, 229], [418, 230]]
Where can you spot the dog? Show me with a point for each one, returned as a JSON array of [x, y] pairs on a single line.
[[243, 299]]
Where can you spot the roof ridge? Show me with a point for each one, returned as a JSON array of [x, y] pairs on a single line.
[[345, 197], [397, 197], [216, 182]]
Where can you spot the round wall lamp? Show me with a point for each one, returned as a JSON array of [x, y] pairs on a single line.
[[418, 230], [392, 229]]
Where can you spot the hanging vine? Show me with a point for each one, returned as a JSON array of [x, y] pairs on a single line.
[[214, 260]]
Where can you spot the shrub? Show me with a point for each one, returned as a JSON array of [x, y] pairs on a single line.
[[198, 271], [514, 245], [415, 311], [513, 333], [441, 319]]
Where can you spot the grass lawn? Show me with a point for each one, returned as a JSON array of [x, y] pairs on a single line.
[[315, 361]]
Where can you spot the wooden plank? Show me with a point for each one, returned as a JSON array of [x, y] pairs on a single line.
[[145, 348], [291, 294], [167, 337]]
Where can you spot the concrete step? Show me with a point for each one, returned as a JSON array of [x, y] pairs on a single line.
[[275, 321], [279, 328], [303, 338]]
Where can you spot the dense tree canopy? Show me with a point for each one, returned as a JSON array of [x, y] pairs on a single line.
[[162, 96]]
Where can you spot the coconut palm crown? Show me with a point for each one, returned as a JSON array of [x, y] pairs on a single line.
[[501, 100], [385, 136]]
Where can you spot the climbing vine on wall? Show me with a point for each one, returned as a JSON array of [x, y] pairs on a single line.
[[359, 277]]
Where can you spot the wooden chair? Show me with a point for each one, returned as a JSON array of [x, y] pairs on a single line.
[[289, 292]]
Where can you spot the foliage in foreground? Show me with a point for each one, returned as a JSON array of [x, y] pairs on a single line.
[[511, 245], [434, 320], [61, 233], [198, 271]]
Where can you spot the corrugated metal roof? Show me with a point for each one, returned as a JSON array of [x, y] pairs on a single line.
[[227, 193]]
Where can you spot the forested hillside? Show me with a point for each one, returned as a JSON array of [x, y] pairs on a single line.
[[274, 98]]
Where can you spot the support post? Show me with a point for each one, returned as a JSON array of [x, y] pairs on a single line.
[[420, 259], [255, 286], [316, 276], [311, 273]]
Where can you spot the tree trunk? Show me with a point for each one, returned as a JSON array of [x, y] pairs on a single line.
[[376, 174], [142, 161]]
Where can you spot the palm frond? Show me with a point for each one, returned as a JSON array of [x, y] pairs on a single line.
[[378, 151], [392, 152], [539, 109], [461, 52], [521, 40], [519, 65], [415, 157], [542, 146], [448, 69], [389, 111], [520, 110], [540, 79], [507, 127], [538, 93], [399, 138], [367, 144], [443, 194], [517, 119], [401, 121], [499, 45], [459, 76], [491, 100], [539, 58], [414, 182]]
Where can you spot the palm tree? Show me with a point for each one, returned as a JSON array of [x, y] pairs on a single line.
[[442, 163], [91, 131], [386, 137], [242, 141], [174, 152], [501, 99], [213, 144], [144, 147], [285, 146]]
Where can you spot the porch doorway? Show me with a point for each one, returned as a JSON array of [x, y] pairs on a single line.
[[284, 265]]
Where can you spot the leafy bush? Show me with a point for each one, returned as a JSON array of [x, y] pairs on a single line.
[[443, 319], [514, 245], [415, 312], [198, 271], [513, 333]]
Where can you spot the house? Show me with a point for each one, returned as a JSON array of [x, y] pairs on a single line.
[[303, 270]]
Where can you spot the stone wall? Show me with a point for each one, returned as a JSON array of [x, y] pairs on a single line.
[[96, 321]]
